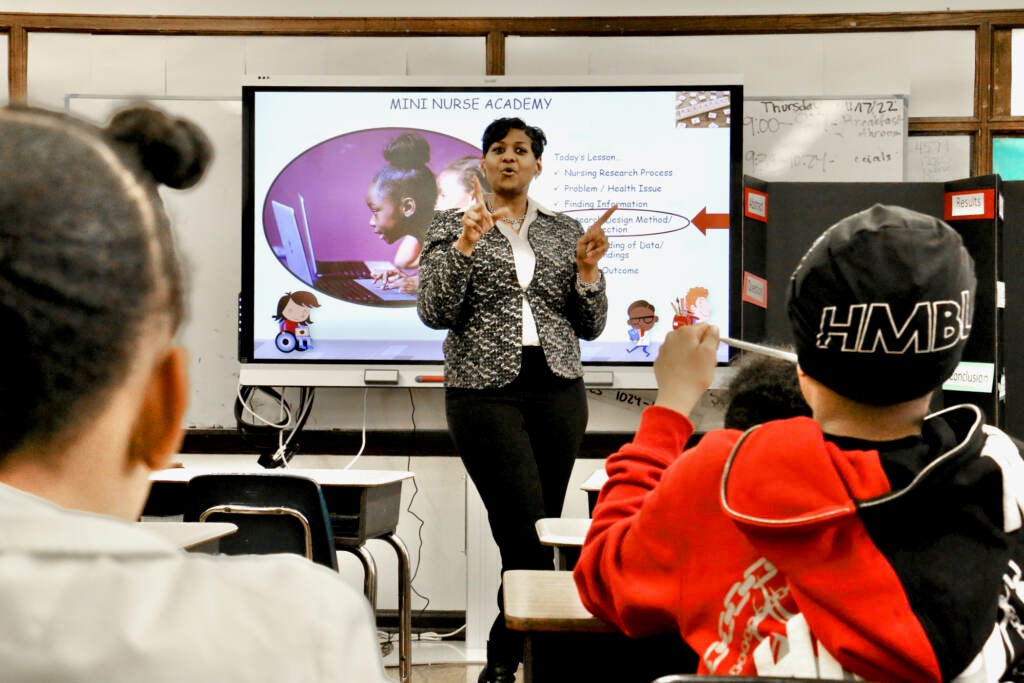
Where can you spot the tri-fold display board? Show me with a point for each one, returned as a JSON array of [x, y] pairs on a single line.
[[781, 220]]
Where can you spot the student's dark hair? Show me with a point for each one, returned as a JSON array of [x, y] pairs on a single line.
[[763, 388], [87, 258], [467, 167], [407, 174], [499, 128]]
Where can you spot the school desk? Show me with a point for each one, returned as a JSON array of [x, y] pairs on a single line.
[[363, 504], [198, 537], [565, 535], [592, 487], [562, 641]]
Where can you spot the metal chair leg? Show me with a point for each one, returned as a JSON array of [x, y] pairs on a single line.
[[404, 608], [369, 571]]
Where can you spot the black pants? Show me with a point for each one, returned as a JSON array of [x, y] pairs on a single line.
[[518, 444]]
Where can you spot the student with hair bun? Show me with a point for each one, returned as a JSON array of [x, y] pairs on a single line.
[[92, 395], [401, 200]]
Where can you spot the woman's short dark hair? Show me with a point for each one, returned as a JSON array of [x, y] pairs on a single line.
[[499, 128], [407, 174], [87, 257]]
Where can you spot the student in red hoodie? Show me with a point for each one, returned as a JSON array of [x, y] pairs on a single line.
[[874, 538]]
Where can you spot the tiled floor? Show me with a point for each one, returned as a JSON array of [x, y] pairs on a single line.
[[442, 662], [441, 673]]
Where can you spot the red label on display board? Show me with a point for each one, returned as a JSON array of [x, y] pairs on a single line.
[[755, 204], [755, 290], [969, 205]]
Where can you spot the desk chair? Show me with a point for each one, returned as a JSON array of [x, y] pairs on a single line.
[[363, 505], [274, 513]]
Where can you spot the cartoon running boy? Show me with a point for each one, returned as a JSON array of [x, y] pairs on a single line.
[[293, 317], [641, 320]]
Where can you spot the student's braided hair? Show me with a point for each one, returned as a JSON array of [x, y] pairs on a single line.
[[87, 258]]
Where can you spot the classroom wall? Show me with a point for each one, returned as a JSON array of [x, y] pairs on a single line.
[[934, 68], [199, 76]]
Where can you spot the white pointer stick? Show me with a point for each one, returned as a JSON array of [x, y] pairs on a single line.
[[758, 348]]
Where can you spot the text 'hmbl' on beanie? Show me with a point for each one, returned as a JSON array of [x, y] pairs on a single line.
[[881, 305]]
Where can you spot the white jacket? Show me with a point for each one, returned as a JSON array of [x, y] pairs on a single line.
[[86, 597]]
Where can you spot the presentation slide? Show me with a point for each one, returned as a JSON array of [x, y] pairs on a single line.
[[321, 249]]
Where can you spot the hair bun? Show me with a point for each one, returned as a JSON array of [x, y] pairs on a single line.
[[173, 150], [409, 150]]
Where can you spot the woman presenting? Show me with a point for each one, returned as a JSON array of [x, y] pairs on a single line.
[[516, 285]]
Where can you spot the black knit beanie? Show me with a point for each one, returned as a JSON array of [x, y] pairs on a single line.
[[881, 305]]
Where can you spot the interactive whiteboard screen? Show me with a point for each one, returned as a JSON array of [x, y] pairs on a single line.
[[665, 150]]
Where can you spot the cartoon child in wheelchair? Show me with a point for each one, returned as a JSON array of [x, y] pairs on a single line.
[[293, 310]]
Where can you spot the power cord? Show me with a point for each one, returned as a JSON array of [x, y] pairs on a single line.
[[291, 421], [408, 508], [387, 639], [287, 447], [419, 538], [362, 446], [245, 395]]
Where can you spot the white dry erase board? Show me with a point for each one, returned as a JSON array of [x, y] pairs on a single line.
[[833, 139], [938, 158]]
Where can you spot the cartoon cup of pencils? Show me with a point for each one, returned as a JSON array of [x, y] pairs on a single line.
[[680, 317]]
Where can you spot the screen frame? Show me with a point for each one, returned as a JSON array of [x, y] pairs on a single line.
[[333, 372]]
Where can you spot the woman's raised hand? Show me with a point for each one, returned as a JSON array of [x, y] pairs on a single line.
[[477, 220], [592, 246]]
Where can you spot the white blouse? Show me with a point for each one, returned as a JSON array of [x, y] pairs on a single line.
[[526, 261]]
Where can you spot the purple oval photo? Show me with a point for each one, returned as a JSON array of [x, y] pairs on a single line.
[[342, 219]]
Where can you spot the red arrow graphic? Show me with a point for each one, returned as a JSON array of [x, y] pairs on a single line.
[[705, 221]]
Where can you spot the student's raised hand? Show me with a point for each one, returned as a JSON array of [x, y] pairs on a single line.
[[592, 246], [685, 366], [477, 220]]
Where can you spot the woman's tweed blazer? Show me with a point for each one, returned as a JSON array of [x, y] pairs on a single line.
[[479, 300]]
